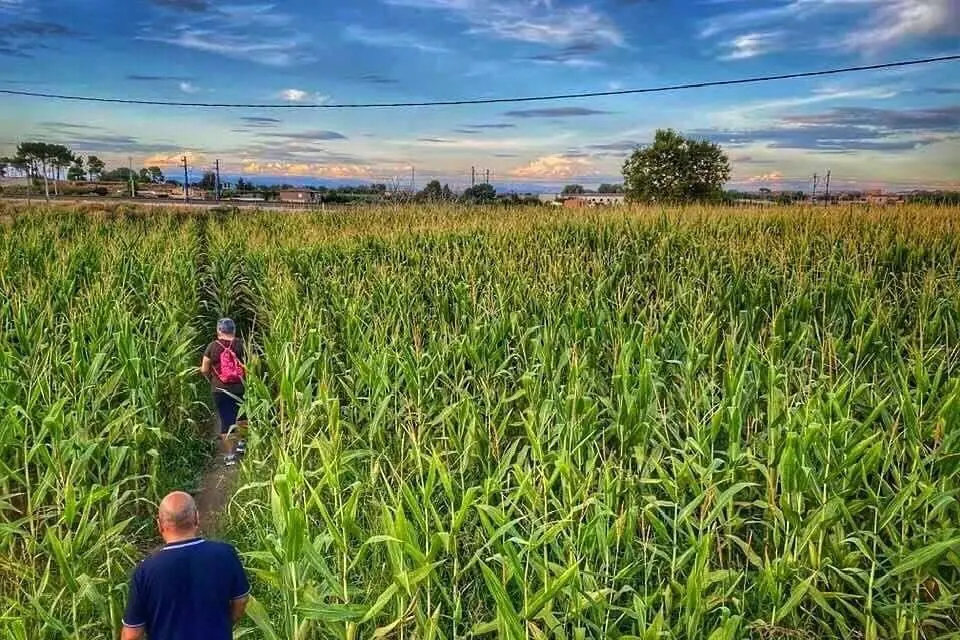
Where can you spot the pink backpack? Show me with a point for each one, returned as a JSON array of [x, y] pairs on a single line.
[[230, 370]]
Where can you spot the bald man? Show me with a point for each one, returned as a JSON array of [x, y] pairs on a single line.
[[192, 589]]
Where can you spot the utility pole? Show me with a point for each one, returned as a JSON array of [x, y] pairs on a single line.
[[217, 194], [186, 183], [486, 179], [413, 179], [826, 193], [133, 188], [815, 182], [473, 176]]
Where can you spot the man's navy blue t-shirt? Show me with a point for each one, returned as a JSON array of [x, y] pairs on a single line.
[[185, 591]]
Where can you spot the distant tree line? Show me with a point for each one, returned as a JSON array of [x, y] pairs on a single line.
[[42, 161]]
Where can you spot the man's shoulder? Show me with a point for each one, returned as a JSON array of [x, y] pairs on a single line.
[[219, 551]]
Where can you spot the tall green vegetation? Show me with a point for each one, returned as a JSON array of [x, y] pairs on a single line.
[[520, 424], [97, 408]]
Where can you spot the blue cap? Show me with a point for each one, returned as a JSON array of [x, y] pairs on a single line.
[[226, 326]]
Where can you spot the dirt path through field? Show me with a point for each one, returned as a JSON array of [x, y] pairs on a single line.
[[216, 489]]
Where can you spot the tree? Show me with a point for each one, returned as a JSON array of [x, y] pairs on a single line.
[[573, 189], [610, 188], [95, 167], [480, 194], [676, 169], [77, 172], [433, 192], [209, 180], [120, 174], [60, 158], [36, 157], [447, 193], [4, 163], [156, 175]]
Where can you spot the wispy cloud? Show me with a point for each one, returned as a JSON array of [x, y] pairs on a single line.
[[886, 23], [557, 112], [374, 78], [537, 22], [148, 78], [21, 38], [260, 121], [309, 169], [313, 135], [898, 20], [256, 33], [299, 95], [196, 6], [554, 167], [750, 45], [395, 39], [187, 87], [848, 129], [575, 55], [277, 52]]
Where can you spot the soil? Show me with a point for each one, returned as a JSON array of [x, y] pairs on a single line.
[[216, 488]]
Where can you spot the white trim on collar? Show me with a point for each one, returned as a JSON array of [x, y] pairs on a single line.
[[181, 545]]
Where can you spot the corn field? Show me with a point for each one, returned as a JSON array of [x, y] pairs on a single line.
[[495, 423]]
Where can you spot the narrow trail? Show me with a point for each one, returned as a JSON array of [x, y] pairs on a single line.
[[224, 287], [217, 481], [217, 485]]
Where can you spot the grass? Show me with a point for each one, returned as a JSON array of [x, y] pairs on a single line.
[[697, 423]]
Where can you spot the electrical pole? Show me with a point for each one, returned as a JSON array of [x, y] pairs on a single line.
[[186, 183], [473, 176], [413, 179], [486, 179], [826, 193], [815, 182], [133, 189], [217, 193]]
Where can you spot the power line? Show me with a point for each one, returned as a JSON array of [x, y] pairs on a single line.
[[473, 101]]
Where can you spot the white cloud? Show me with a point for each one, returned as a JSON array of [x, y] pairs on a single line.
[[187, 87], [255, 33], [750, 45], [299, 95], [898, 20], [532, 22], [887, 23], [749, 113], [175, 160], [308, 169], [276, 52], [554, 167], [399, 40]]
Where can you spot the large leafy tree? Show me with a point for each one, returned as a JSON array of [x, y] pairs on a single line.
[[95, 167], [676, 169], [76, 171], [573, 189], [480, 194]]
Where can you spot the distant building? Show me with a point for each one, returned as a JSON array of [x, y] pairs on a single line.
[[193, 193], [594, 200], [14, 182], [299, 196], [883, 198]]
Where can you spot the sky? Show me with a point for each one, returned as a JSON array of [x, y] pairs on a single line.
[[892, 129]]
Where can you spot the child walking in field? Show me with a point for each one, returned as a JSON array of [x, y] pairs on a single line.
[[223, 365]]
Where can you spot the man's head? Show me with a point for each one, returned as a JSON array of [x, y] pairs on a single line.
[[177, 517], [226, 328]]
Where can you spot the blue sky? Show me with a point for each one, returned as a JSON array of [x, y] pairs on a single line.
[[891, 129]]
